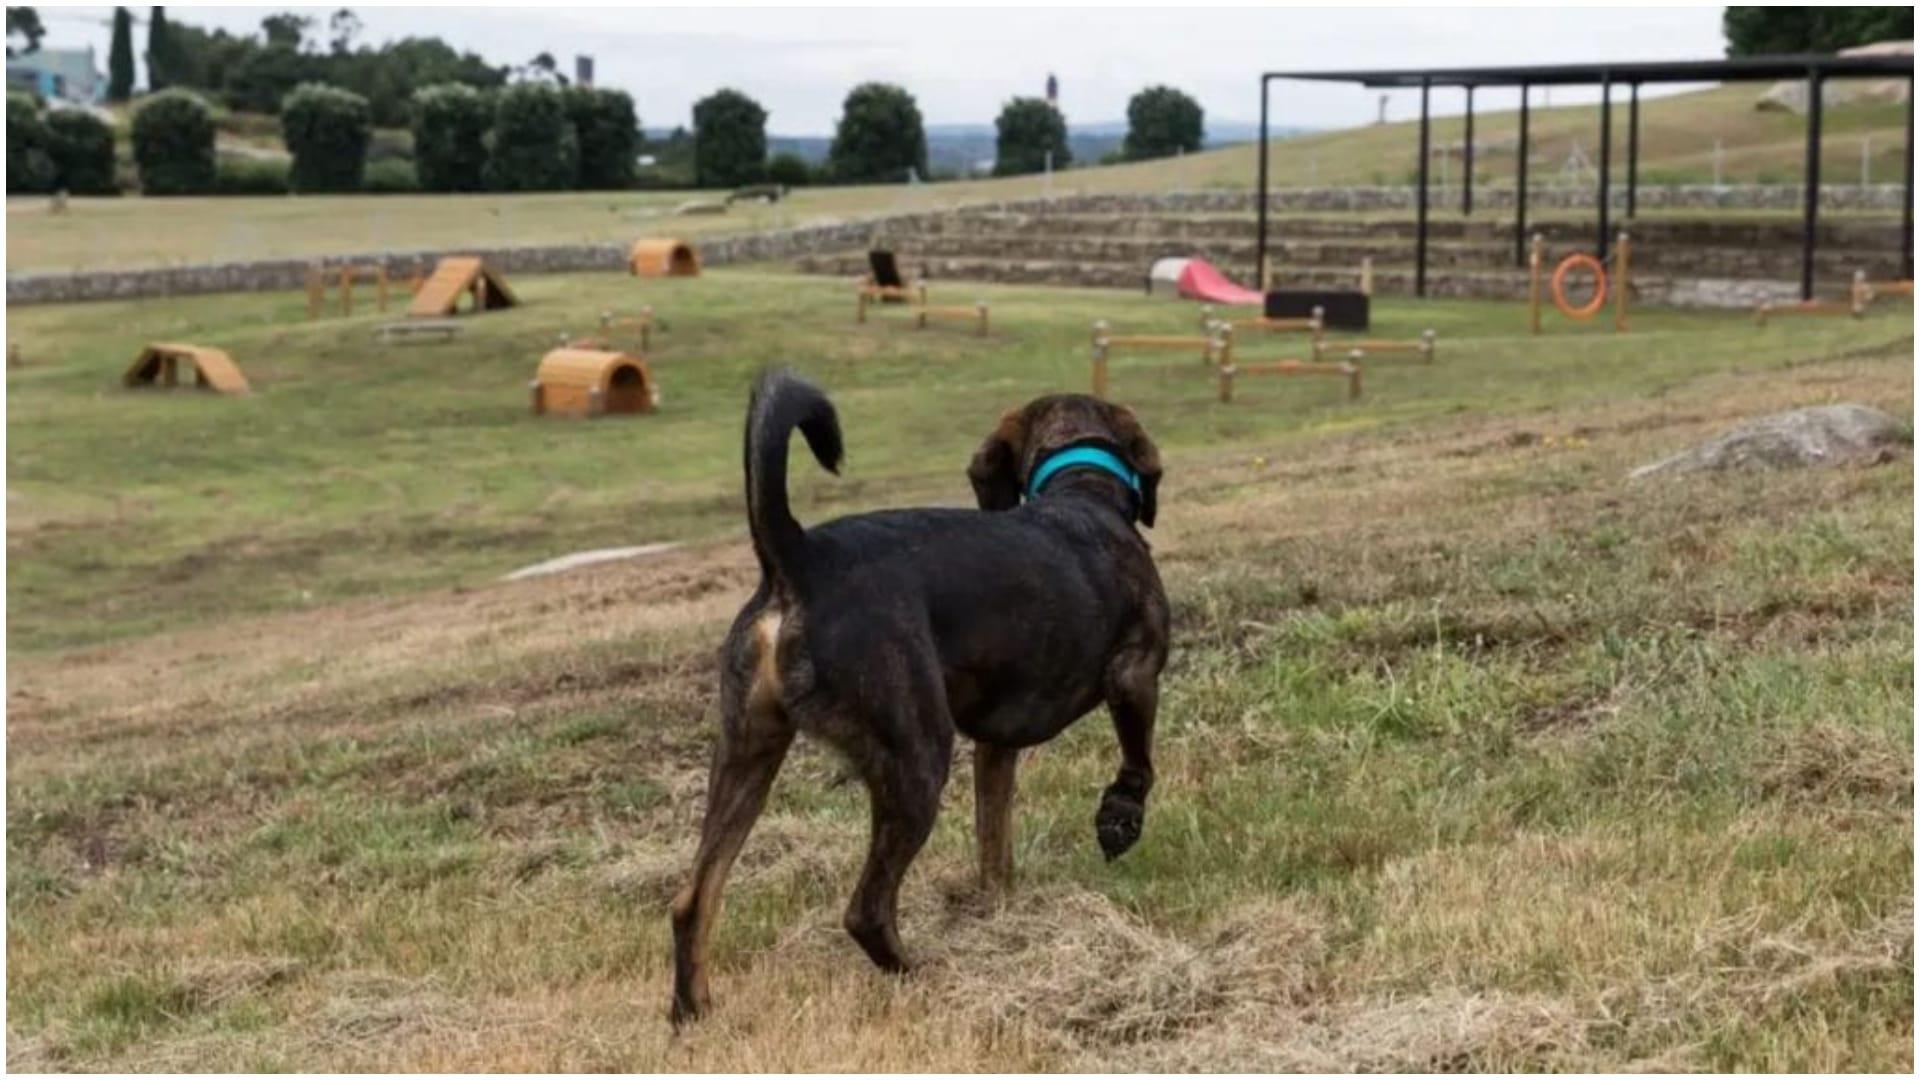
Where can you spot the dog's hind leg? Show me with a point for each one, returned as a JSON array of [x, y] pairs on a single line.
[[993, 783], [753, 743], [905, 766], [1133, 697]]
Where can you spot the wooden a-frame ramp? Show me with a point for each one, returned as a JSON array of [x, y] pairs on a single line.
[[439, 295]]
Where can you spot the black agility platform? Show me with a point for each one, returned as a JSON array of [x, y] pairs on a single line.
[[1343, 310]]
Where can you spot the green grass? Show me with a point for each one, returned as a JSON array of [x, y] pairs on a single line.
[[1677, 146], [1472, 754]]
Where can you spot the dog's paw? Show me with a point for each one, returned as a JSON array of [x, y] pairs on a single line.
[[1117, 825]]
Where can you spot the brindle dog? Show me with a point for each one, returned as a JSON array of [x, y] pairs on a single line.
[[884, 634]]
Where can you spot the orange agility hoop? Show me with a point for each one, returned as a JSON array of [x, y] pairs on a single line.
[[1591, 307]]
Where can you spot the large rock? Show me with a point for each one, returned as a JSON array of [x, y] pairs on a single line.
[[1822, 435]]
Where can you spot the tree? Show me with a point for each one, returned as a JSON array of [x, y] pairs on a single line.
[[789, 170], [1162, 122], [25, 22], [450, 123], [609, 136], [729, 141], [344, 25], [534, 145], [1029, 129], [286, 29], [326, 129], [81, 146], [160, 51], [1753, 31], [264, 77], [880, 137], [29, 168], [173, 144], [120, 57]]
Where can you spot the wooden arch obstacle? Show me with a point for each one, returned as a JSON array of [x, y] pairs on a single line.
[[454, 276], [159, 365], [661, 256], [592, 382]]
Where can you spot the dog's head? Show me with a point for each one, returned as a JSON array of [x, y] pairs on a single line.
[[1026, 436]]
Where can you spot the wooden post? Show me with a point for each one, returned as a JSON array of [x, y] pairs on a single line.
[[1319, 329], [1760, 313], [1859, 294], [1366, 275], [1100, 359], [534, 397], [860, 311], [982, 306], [1226, 384], [1427, 342], [1206, 316], [1353, 374], [480, 294], [316, 291], [1266, 272], [346, 291], [1622, 281], [1533, 281], [380, 281]]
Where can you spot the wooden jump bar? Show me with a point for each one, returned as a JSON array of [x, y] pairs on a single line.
[[1348, 369], [1315, 324], [1424, 346], [1215, 348], [1859, 295], [977, 312]]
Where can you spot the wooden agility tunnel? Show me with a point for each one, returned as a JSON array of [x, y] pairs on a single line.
[[457, 275], [661, 256], [159, 365], [592, 382]]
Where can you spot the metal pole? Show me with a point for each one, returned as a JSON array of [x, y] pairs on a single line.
[[1520, 188], [1420, 210], [1633, 149], [1606, 157], [1466, 162], [1812, 181], [1906, 200], [1260, 194]]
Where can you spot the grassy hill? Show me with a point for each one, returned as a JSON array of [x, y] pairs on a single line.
[[1677, 142]]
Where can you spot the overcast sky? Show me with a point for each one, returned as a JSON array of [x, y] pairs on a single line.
[[962, 64]]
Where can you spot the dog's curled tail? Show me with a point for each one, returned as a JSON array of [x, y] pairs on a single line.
[[781, 402]]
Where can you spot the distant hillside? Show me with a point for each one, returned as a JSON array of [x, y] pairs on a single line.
[[968, 149]]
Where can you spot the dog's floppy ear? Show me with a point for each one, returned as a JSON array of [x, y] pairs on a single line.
[[995, 470], [1143, 455]]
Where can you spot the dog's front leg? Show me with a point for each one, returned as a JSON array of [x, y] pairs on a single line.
[[993, 783], [1133, 697]]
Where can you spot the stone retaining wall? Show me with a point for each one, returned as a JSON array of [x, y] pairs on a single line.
[[788, 244]]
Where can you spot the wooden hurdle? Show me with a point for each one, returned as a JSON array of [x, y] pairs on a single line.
[[1348, 369], [318, 281], [640, 326], [871, 293], [1316, 324], [1859, 294], [977, 313], [1216, 348], [1425, 347]]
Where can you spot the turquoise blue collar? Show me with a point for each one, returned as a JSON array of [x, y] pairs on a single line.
[[1082, 457]]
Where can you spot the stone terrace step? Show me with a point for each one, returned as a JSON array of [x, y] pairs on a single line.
[[1851, 235], [1140, 253]]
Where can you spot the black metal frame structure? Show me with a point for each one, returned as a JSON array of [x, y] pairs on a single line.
[[1816, 69]]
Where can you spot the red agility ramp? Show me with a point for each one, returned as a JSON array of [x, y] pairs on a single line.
[[1196, 279]]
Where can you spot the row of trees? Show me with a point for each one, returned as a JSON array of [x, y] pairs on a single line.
[[257, 73], [881, 138], [525, 137], [65, 149]]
